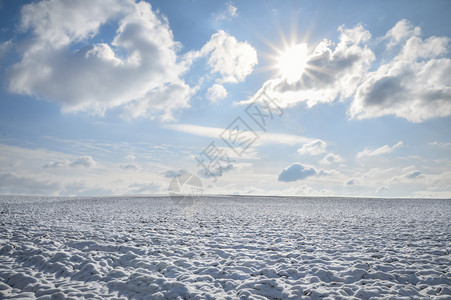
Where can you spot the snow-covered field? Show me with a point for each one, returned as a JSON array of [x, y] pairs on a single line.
[[224, 247]]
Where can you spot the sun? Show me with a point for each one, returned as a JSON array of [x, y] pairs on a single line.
[[292, 62]]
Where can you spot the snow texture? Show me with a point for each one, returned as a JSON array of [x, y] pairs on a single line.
[[229, 247]]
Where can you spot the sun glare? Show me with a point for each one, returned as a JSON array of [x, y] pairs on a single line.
[[292, 62]]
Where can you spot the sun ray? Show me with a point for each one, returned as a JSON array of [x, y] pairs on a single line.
[[285, 42]]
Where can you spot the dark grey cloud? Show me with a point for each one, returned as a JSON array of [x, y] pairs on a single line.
[[296, 172], [129, 167], [352, 181], [413, 174], [174, 173], [384, 89]]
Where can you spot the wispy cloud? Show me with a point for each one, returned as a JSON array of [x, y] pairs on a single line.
[[129, 167], [442, 145], [381, 150], [85, 161], [230, 12], [27, 184], [408, 174], [39, 171], [382, 189], [264, 137]]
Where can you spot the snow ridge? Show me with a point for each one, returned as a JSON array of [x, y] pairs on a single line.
[[224, 247]]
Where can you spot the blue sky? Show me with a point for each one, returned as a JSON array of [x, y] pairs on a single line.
[[115, 97]]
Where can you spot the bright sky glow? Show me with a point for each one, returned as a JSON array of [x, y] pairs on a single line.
[[117, 97], [292, 62]]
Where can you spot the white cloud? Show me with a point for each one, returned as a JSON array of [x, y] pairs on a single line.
[[139, 68], [313, 148], [164, 99], [416, 91], [85, 161], [331, 158], [381, 150], [58, 23], [296, 172], [233, 60], [415, 48], [400, 32], [415, 85], [332, 71], [216, 92]]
